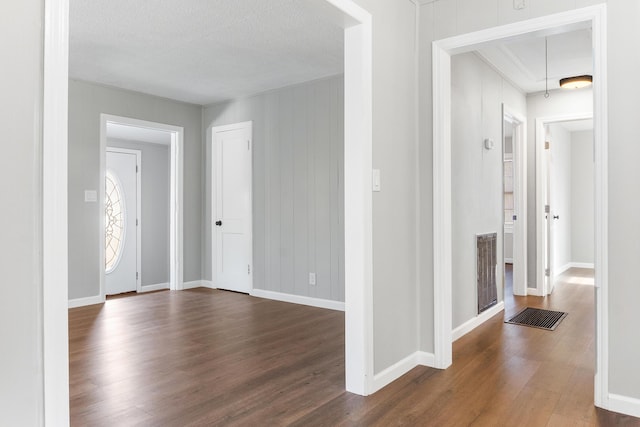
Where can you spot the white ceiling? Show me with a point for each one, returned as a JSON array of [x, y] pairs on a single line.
[[201, 51], [134, 133], [577, 125], [523, 61]]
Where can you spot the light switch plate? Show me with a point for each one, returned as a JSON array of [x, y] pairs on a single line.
[[90, 196], [376, 179]]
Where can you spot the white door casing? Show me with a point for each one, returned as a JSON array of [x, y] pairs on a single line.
[[519, 123], [123, 171], [358, 42], [595, 17], [232, 207]]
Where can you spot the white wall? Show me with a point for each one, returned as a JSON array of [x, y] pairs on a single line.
[[21, 387], [298, 191], [559, 103], [477, 94], [86, 102], [155, 181], [560, 140], [582, 191], [624, 197]]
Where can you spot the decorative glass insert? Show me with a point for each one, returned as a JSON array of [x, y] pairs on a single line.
[[114, 211]]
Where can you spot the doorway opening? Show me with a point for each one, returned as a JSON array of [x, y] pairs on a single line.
[[564, 191], [592, 18], [357, 24], [121, 131]]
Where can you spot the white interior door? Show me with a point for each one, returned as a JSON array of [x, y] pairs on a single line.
[[548, 216], [232, 207], [121, 228]]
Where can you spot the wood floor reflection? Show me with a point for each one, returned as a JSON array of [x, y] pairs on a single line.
[[208, 357]]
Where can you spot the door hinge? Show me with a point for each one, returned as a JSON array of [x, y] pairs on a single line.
[[547, 145], [547, 272], [136, 275], [136, 222], [514, 217], [248, 145], [547, 209], [136, 168], [248, 269]]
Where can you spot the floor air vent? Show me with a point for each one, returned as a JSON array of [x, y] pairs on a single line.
[[538, 318], [487, 262]]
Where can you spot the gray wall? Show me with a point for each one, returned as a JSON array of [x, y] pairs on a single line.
[[560, 139], [21, 387], [395, 208], [155, 177], [560, 103], [298, 195], [477, 94], [86, 102], [582, 191]]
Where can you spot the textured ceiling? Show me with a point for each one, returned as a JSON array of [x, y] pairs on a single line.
[[201, 51], [523, 61]]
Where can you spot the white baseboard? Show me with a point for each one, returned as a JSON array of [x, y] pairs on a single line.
[[473, 323], [198, 284], [156, 287], [535, 292], [561, 270], [298, 299], [426, 359], [582, 265], [624, 405], [398, 369], [81, 302]]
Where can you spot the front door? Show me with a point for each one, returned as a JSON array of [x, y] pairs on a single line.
[[121, 207], [232, 211]]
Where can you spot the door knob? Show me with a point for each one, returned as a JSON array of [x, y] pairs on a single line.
[[218, 223], [556, 217]]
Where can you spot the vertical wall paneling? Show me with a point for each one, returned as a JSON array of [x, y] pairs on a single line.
[[298, 185]]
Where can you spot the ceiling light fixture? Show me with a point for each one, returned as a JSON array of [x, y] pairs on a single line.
[[577, 82]]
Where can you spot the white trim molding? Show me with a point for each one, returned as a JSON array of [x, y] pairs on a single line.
[[154, 287], [299, 299], [595, 17], [474, 322], [81, 302], [624, 405], [398, 369], [535, 292], [53, 325], [198, 284]]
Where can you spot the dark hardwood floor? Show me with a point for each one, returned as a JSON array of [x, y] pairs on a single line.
[[206, 357]]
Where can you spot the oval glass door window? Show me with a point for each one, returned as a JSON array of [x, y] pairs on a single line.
[[114, 211]]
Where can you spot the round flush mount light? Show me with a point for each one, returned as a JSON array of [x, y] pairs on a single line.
[[577, 82]]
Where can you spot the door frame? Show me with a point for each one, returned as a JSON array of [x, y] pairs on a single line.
[[541, 164], [176, 198], [138, 154], [595, 16], [248, 125], [358, 78], [520, 224]]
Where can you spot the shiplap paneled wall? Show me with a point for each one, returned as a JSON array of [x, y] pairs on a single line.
[[298, 191]]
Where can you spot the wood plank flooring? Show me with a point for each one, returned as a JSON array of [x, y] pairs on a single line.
[[206, 357]]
